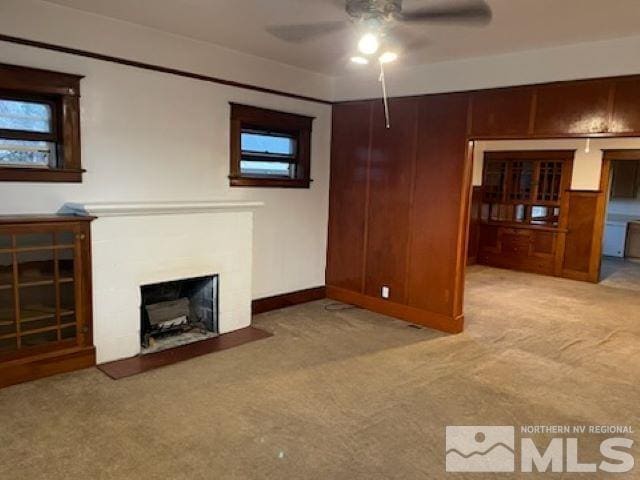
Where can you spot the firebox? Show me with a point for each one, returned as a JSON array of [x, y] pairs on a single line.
[[178, 312]]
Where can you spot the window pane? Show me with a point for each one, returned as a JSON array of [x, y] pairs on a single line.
[[26, 153], [264, 143], [276, 169], [26, 116]]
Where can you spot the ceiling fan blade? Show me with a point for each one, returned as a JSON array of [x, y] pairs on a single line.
[[407, 38], [307, 31], [470, 11]]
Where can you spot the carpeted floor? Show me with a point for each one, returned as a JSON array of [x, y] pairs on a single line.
[[343, 394]]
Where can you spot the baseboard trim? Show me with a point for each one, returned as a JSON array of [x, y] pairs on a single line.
[[46, 365], [397, 310], [276, 302]]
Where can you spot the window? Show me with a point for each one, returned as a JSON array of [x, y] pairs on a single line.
[[27, 135], [525, 187], [39, 125], [269, 148], [267, 154]]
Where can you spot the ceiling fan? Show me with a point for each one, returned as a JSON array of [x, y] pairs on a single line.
[[376, 19], [379, 24]]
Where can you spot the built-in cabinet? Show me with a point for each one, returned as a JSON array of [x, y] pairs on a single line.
[[522, 215], [45, 297]]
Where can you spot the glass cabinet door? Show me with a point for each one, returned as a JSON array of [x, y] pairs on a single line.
[[37, 290], [521, 173], [8, 341], [550, 182]]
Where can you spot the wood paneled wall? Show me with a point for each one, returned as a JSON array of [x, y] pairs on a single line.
[[580, 253], [400, 198], [350, 152]]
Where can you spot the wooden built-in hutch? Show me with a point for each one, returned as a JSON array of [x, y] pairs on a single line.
[[45, 297], [523, 210]]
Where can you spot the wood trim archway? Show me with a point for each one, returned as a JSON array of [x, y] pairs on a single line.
[[608, 157]]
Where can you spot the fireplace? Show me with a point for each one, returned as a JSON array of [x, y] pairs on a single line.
[[178, 312], [159, 241]]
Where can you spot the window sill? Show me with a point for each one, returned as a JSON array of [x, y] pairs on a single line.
[[18, 174], [269, 182]]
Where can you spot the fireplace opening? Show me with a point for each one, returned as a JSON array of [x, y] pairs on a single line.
[[178, 312]]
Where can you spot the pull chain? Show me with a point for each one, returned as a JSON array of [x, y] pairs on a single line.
[[385, 99]]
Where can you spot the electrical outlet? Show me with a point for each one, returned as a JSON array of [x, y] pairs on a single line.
[[385, 292]]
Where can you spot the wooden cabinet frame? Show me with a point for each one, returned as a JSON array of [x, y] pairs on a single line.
[[62, 353]]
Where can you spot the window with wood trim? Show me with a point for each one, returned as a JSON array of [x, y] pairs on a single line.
[[525, 187], [39, 125], [269, 148]]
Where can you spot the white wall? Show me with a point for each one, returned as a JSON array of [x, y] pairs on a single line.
[[149, 136], [586, 166], [586, 60], [47, 22]]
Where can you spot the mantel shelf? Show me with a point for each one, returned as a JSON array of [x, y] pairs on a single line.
[[118, 209]]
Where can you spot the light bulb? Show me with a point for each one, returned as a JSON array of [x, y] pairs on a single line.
[[388, 57], [368, 44], [359, 60]]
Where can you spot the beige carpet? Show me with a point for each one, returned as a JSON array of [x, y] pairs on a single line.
[[343, 395]]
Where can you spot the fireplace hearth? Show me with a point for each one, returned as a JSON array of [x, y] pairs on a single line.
[[178, 312]]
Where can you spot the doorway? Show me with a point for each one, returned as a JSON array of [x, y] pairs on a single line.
[[571, 244], [620, 183]]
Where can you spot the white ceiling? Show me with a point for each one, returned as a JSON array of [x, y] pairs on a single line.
[[240, 25]]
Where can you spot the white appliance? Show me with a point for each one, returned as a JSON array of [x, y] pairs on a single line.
[[615, 235]]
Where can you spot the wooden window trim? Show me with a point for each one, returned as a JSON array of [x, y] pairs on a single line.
[[298, 126], [62, 92]]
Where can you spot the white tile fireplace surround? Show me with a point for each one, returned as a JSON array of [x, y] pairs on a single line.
[[137, 244]]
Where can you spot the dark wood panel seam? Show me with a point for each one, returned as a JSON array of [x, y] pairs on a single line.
[[284, 300], [533, 111], [412, 194], [470, 116], [156, 68], [611, 105], [367, 201]]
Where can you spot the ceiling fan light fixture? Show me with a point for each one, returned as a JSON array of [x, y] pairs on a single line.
[[388, 57], [368, 44], [359, 60]]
